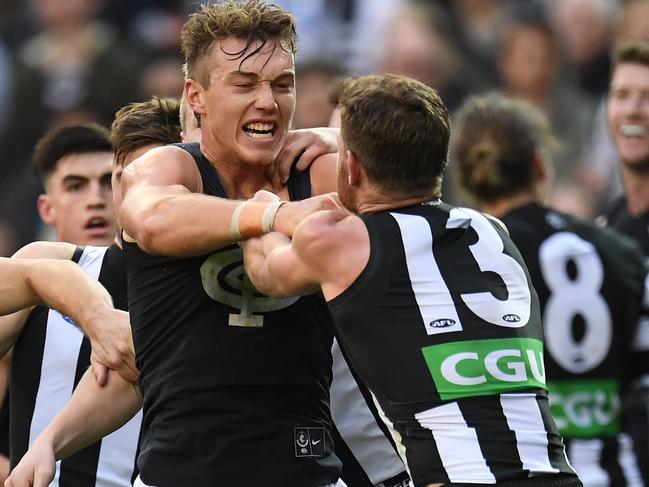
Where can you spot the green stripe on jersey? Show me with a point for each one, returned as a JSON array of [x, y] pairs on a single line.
[[585, 408], [485, 367]]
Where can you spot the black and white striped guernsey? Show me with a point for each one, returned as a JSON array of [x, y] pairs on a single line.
[[591, 287], [50, 356], [444, 328], [361, 440]]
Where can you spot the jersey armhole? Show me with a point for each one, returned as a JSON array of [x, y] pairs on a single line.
[[78, 252], [366, 276]]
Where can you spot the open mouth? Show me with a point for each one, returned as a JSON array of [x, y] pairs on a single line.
[[96, 224], [633, 130], [259, 130]]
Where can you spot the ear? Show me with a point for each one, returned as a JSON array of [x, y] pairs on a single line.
[[46, 209], [539, 169], [354, 169], [194, 95]]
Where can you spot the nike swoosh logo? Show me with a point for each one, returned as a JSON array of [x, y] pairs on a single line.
[[314, 442]]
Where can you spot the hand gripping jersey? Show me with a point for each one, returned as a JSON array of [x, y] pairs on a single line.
[[235, 384], [446, 296], [591, 286], [50, 357]]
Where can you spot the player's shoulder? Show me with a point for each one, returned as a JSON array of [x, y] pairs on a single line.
[[169, 164], [46, 250]]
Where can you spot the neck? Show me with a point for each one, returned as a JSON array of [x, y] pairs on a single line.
[[502, 206], [636, 190], [376, 202], [240, 180]]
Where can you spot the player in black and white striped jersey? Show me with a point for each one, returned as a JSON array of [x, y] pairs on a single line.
[[433, 304], [361, 440], [51, 354], [591, 283]]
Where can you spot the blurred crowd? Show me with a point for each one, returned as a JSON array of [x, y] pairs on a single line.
[[81, 60]]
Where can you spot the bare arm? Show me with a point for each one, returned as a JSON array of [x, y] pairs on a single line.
[[92, 413], [61, 285], [110, 337], [164, 212], [316, 257], [11, 325]]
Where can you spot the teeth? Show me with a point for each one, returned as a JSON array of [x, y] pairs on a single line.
[[260, 127], [633, 130], [265, 135]]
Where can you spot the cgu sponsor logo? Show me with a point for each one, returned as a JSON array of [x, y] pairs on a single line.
[[483, 367], [585, 408]]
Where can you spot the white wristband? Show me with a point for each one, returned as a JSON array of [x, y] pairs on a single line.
[[268, 218], [235, 233]]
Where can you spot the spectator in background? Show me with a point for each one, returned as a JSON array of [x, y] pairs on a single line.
[[584, 31], [88, 73], [634, 21], [419, 46], [314, 82], [479, 25], [528, 67], [348, 31]]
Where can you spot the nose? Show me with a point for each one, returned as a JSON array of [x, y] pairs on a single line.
[[633, 105], [98, 195], [265, 98]]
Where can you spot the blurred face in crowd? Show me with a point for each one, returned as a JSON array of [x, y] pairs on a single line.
[[248, 106], [527, 62], [314, 107], [78, 201], [628, 114], [55, 13]]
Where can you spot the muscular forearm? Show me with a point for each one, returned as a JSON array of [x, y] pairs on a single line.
[[179, 225], [59, 284], [92, 413]]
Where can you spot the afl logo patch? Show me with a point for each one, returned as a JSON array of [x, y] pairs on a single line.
[[511, 318], [442, 323], [224, 280]]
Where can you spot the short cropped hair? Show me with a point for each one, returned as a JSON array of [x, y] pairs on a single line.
[[252, 20], [156, 121], [399, 128], [495, 141], [66, 140], [636, 51]]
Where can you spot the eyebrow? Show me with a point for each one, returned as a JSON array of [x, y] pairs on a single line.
[[247, 74], [74, 178]]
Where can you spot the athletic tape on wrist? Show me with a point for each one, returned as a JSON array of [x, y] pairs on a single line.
[[268, 218], [235, 233]]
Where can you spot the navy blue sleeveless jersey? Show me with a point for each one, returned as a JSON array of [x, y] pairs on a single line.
[[224, 403]]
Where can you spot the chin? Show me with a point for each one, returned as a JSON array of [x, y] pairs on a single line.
[[639, 166]]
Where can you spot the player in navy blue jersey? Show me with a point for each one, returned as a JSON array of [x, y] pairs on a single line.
[[591, 284]]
